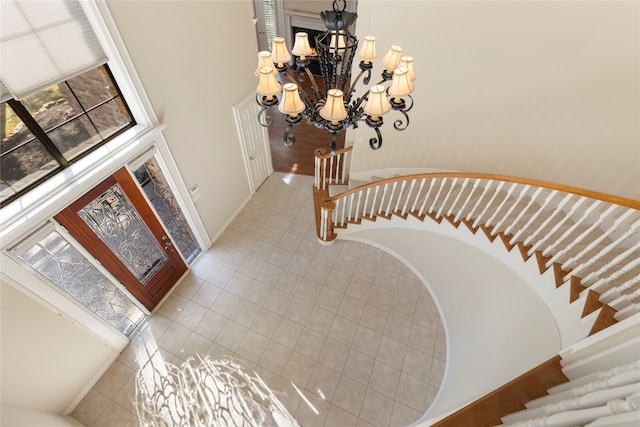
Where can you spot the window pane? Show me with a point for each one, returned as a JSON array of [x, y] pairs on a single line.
[[75, 137], [62, 264], [23, 158], [155, 186], [109, 118], [93, 87]]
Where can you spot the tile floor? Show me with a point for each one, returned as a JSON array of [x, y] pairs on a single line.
[[348, 324]]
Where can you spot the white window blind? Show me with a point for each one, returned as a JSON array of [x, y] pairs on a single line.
[[43, 43]]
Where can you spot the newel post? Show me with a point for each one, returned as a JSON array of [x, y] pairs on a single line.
[[326, 224]]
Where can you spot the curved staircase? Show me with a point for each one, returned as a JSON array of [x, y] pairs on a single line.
[[588, 240]]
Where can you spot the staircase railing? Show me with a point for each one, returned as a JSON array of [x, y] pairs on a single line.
[[590, 239]]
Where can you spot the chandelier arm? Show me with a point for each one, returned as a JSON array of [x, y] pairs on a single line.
[[376, 143], [316, 91], [288, 140], [355, 83], [398, 124], [264, 119]]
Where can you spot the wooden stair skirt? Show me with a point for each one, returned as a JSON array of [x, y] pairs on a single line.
[[511, 397]]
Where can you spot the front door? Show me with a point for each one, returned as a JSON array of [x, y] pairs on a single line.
[[115, 224]]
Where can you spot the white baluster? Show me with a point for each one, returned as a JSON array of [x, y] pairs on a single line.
[[332, 161], [366, 201], [463, 187], [560, 223], [522, 213], [358, 206], [476, 183], [535, 216], [625, 300], [482, 196], [399, 199], [393, 192], [443, 181], [446, 197], [426, 197], [324, 173], [374, 203], [323, 223], [384, 194], [497, 190], [600, 239], [415, 202], [501, 206], [350, 214], [408, 198], [585, 233], [523, 194], [603, 284], [316, 171], [557, 211]]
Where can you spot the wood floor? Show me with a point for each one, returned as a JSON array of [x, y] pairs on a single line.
[[299, 158]]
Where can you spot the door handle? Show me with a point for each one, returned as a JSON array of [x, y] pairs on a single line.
[[167, 245]]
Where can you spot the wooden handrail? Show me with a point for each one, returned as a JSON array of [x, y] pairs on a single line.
[[617, 200]]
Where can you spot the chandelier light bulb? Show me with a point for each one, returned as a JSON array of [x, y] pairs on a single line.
[[391, 60]]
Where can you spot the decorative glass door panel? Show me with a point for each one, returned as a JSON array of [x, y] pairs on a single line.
[[117, 226], [114, 220]]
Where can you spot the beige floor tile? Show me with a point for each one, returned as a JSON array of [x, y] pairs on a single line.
[[367, 341], [339, 417], [349, 395], [299, 369], [323, 382], [287, 332], [343, 330], [333, 354], [275, 357], [384, 379], [266, 322], [358, 366], [377, 408], [113, 379], [310, 343]]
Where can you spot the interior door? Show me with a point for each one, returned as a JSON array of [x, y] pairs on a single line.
[[255, 141], [115, 224]]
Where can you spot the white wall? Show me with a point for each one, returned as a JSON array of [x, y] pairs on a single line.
[[46, 360], [543, 90], [196, 59], [16, 416]]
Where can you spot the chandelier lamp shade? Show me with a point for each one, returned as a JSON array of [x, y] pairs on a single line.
[[333, 105]]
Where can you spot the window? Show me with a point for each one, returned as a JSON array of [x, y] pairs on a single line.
[[46, 132]]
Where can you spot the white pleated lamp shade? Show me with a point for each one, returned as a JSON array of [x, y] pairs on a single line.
[[301, 46], [368, 49], [407, 62], [291, 103], [377, 104], [279, 53], [401, 84], [268, 85], [333, 110], [264, 60], [392, 58]]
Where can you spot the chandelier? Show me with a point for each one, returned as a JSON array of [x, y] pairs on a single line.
[[334, 106]]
